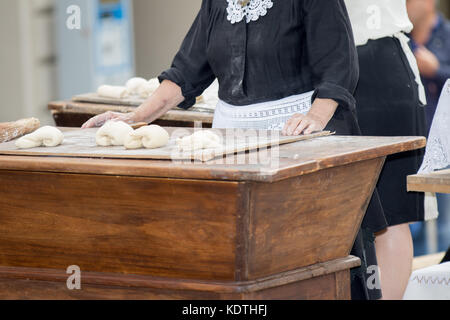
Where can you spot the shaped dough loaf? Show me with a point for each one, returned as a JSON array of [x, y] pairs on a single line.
[[148, 88], [45, 136], [113, 92], [113, 133], [133, 85], [199, 140], [150, 137]]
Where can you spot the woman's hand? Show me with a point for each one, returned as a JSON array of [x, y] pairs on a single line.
[[166, 97], [303, 123], [316, 120], [101, 119]]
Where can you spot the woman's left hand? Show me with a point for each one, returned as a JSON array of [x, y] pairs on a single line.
[[316, 120], [301, 123]]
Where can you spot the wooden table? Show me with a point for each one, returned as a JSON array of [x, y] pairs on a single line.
[[438, 182], [168, 230], [74, 114]]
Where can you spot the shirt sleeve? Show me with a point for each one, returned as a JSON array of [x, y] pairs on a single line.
[[331, 50], [190, 68]]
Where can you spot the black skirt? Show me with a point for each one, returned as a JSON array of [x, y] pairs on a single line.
[[344, 122], [387, 104]]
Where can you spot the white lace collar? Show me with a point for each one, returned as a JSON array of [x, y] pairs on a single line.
[[252, 11]]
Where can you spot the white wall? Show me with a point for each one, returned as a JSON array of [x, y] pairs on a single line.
[[27, 78], [160, 27], [11, 101]]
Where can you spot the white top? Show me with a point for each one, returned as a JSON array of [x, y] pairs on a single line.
[[375, 19]]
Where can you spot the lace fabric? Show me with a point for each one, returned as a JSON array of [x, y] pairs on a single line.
[[251, 12], [437, 154], [271, 115]]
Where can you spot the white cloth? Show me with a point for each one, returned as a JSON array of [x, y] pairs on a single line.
[[376, 19], [271, 115], [437, 155], [432, 283]]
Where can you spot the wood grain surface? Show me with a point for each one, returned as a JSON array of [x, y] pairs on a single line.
[[287, 161], [134, 101], [322, 281], [129, 225], [438, 181], [309, 219], [76, 109], [191, 229], [81, 143]]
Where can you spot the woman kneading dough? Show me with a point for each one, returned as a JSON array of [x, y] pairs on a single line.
[[282, 65]]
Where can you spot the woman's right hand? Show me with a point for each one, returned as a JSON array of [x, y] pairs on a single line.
[[166, 97], [101, 119]]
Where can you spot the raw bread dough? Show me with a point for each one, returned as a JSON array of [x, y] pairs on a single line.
[[45, 136], [199, 140], [113, 133], [147, 89], [154, 83], [150, 137], [133, 85], [113, 92]]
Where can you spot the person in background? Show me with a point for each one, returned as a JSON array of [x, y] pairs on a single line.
[[390, 101], [430, 41]]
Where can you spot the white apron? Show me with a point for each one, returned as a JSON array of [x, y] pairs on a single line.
[[271, 115]]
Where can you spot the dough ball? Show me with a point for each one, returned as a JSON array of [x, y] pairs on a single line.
[[149, 137], [147, 89], [199, 140], [45, 136], [154, 83], [113, 133], [134, 84], [113, 92]]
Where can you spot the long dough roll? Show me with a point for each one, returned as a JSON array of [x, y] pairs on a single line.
[[114, 92]]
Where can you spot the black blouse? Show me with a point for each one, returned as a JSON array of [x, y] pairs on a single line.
[[299, 46]]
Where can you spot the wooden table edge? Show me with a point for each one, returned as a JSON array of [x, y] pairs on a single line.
[[429, 182], [163, 169], [139, 281], [68, 107]]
